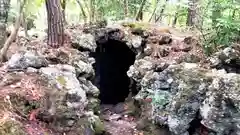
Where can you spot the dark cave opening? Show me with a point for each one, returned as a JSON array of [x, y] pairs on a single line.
[[113, 59]]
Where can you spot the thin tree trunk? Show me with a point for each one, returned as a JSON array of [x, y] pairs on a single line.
[[55, 23], [24, 25], [162, 11], [63, 4], [4, 9], [153, 15], [83, 11], [13, 35], [91, 11], [176, 15], [192, 17], [125, 8], [175, 19], [139, 15], [86, 5]]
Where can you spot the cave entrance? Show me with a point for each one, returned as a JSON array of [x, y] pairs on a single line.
[[113, 59]]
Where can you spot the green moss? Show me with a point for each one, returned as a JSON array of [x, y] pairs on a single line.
[[61, 80], [136, 25], [22, 104], [98, 126], [11, 127]]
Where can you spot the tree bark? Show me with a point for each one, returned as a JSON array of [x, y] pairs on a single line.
[[13, 35], [139, 15], [192, 17], [55, 23], [4, 9]]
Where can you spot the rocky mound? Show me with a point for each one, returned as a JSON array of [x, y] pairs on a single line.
[[56, 91]]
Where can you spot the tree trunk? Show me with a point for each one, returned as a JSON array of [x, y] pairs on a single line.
[[153, 15], [125, 2], [55, 23], [175, 15], [24, 25], [13, 35], [162, 11], [63, 4], [139, 15], [192, 17], [83, 11], [4, 9], [91, 11]]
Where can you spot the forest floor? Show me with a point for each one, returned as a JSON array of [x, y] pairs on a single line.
[[118, 123]]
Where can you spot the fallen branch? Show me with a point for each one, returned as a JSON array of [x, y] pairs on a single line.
[[14, 33]]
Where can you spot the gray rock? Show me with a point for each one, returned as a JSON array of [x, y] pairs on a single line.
[[136, 41], [83, 41], [227, 59], [24, 59], [63, 77], [32, 70], [180, 91], [220, 109], [88, 87], [69, 101]]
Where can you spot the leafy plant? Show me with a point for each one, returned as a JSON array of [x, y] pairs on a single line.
[[223, 34]]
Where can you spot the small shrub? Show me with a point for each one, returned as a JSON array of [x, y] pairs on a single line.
[[224, 34]]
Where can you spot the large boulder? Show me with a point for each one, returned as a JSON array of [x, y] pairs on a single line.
[[185, 93], [24, 59], [68, 99]]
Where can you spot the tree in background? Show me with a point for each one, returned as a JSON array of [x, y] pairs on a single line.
[[4, 9], [14, 32], [125, 5], [55, 23], [63, 4], [192, 16], [139, 15], [162, 11], [218, 20]]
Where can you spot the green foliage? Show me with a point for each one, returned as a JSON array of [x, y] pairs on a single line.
[[219, 18], [224, 27], [227, 31]]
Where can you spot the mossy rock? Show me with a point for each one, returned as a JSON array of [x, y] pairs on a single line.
[[22, 104], [61, 80], [137, 27], [96, 124], [93, 123], [11, 127], [94, 105]]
